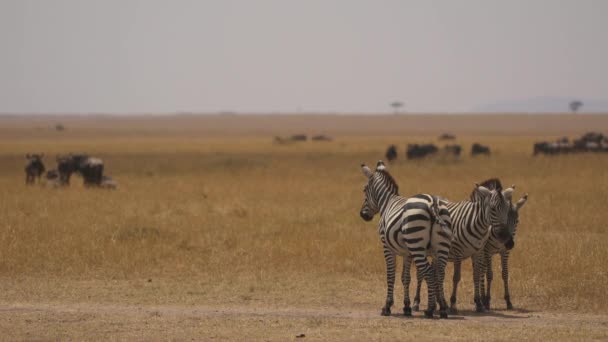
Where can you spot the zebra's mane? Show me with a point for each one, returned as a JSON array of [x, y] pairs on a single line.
[[491, 184], [389, 179]]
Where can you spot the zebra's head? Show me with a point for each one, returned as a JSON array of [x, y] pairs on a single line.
[[501, 216], [513, 219], [379, 188]]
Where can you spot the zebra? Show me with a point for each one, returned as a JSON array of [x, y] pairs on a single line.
[[34, 168], [473, 221], [419, 226], [495, 246]]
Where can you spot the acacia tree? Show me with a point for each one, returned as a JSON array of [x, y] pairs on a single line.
[[396, 105], [575, 106]]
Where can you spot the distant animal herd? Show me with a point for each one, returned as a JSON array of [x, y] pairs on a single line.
[[300, 137], [588, 142], [90, 168], [419, 151]]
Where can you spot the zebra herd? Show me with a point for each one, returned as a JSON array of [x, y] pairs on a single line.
[[90, 168], [425, 225]]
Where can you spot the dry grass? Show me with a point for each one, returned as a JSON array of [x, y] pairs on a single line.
[[240, 221]]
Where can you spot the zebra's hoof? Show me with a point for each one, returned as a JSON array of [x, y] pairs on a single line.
[[509, 306], [428, 314], [386, 311], [443, 314], [479, 308], [453, 311], [407, 311], [416, 307]]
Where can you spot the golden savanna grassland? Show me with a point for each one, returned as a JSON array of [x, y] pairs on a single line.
[[217, 232]]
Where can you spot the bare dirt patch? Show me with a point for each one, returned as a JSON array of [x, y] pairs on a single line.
[[153, 322]]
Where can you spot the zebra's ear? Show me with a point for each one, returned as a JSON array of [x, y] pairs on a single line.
[[521, 202], [483, 190], [380, 166], [366, 171], [508, 193]]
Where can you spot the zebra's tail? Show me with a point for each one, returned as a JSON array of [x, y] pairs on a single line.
[[446, 230]]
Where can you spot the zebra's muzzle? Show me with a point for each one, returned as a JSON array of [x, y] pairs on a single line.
[[366, 216]]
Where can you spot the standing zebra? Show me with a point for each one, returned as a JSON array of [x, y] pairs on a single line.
[[419, 226], [473, 221], [493, 246], [34, 168]]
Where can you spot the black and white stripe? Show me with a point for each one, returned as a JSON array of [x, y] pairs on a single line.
[[473, 221], [416, 228]]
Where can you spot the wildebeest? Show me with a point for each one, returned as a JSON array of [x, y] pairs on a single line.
[[391, 153], [420, 150], [321, 137], [447, 136], [34, 168], [292, 139], [90, 168], [479, 149], [299, 137], [552, 148], [453, 150]]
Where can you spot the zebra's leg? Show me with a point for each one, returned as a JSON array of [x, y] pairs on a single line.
[[426, 270], [489, 277], [478, 270], [434, 294], [504, 261], [455, 281], [389, 258], [419, 279], [440, 262], [406, 280]]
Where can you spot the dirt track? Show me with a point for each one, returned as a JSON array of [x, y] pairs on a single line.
[[111, 321]]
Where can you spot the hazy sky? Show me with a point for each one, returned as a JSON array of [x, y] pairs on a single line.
[[284, 55]]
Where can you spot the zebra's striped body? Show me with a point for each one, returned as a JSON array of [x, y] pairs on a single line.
[[415, 227], [473, 222], [495, 246]]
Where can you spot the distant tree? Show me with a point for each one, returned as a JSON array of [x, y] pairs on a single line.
[[396, 105], [575, 106], [59, 127]]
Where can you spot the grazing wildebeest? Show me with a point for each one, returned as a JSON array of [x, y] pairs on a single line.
[[420, 150], [68, 164], [544, 148], [321, 137], [34, 168], [479, 149], [391, 153], [453, 150], [90, 168], [447, 136], [593, 137], [299, 137], [92, 171]]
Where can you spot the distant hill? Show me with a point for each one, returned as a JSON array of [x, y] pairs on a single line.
[[543, 105]]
